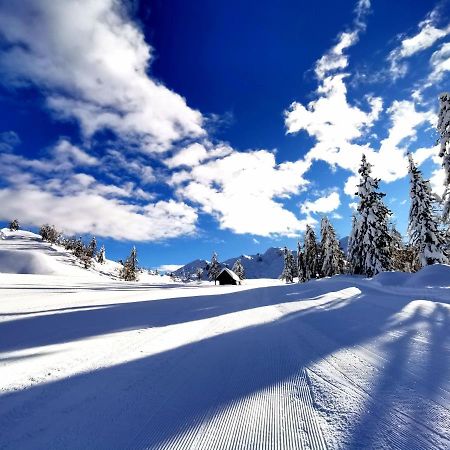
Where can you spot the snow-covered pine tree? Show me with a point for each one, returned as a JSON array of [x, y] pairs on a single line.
[[332, 257], [91, 249], [101, 256], [199, 273], [50, 234], [311, 254], [214, 268], [14, 225], [444, 153], [369, 252], [397, 250], [351, 251], [78, 249], [130, 268], [301, 269], [288, 269], [423, 226], [238, 269]]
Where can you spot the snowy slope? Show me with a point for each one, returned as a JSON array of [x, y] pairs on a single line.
[[339, 363], [24, 252]]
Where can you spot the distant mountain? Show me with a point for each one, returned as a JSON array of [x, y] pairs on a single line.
[[266, 265], [190, 269], [344, 244], [262, 265]]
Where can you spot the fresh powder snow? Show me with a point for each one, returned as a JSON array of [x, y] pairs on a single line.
[[346, 362]]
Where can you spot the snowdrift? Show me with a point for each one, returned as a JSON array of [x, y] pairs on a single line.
[[437, 275], [26, 262]]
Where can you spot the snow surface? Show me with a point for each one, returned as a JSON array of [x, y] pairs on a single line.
[[338, 363], [24, 252]]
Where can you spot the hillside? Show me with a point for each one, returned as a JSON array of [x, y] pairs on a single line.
[[24, 252]]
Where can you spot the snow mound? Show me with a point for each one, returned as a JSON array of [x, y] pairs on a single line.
[[392, 278], [30, 262], [437, 275]]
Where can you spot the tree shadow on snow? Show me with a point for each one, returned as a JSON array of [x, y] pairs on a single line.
[[148, 402], [74, 323]]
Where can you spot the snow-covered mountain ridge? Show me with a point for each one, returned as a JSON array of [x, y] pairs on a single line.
[[261, 265]]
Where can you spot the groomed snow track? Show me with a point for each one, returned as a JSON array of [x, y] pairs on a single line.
[[337, 364]]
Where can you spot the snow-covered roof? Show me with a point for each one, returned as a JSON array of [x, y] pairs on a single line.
[[230, 272]]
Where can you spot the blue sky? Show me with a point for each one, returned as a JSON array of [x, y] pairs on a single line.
[[187, 127]]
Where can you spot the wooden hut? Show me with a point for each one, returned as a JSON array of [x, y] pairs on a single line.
[[227, 276]]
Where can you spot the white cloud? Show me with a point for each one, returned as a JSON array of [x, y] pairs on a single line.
[[92, 61], [194, 154], [335, 58], [241, 189], [68, 154], [8, 141], [390, 162], [95, 214], [426, 37], [117, 163], [338, 126], [440, 63], [324, 204], [255, 241], [332, 120]]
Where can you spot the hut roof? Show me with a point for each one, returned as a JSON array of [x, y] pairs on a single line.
[[229, 272]]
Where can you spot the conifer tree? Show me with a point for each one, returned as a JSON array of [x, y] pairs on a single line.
[[289, 266], [101, 255], [130, 268], [423, 225], [350, 246], [444, 153], [49, 233], [332, 257], [199, 273], [78, 249], [301, 269], [14, 225], [91, 249], [311, 254], [238, 269], [214, 268], [369, 252]]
